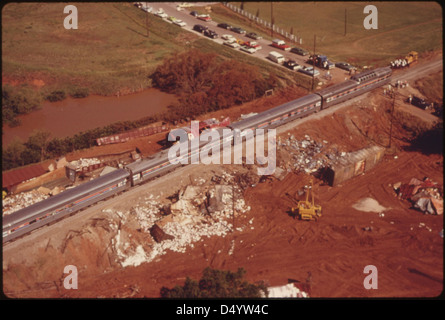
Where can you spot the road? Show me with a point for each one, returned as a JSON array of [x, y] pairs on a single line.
[[171, 10]]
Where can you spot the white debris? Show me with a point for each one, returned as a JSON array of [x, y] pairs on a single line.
[[21, 200], [287, 291]]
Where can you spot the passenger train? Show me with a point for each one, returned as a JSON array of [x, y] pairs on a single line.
[[72, 200]]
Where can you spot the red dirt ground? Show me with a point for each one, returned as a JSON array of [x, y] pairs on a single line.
[[335, 250]]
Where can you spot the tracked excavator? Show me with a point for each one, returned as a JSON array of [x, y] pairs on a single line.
[[305, 209]]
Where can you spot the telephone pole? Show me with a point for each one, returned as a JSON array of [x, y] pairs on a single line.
[[313, 63], [146, 22], [392, 116]]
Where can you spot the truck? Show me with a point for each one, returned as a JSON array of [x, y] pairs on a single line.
[[321, 61], [276, 57]]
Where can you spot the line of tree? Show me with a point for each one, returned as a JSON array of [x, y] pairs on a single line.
[[205, 82], [40, 146], [217, 284]]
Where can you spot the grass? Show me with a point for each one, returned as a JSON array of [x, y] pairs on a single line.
[[402, 27], [108, 53]]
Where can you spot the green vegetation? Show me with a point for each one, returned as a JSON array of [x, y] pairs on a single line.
[[217, 284], [18, 100], [109, 52], [40, 147], [402, 27]]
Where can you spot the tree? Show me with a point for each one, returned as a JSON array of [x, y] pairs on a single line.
[[217, 284], [12, 156], [39, 140]]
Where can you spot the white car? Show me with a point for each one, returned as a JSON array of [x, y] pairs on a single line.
[[161, 13], [180, 23], [247, 49], [147, 9], [228, 37], [231, 43]]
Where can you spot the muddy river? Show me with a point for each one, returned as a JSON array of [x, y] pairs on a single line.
[[71, 116]]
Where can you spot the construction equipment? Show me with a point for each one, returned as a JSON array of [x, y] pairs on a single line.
[[307, 210]]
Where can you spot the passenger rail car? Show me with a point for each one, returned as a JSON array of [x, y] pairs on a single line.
[[356, 85], [68, 202]]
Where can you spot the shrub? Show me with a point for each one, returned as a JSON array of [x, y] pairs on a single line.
[[56, 96]]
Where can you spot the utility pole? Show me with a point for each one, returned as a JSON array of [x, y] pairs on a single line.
[[345, 20], [313, 63], [392, 117], [146, 22]]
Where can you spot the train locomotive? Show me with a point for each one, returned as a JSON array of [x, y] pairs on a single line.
[[75, 199]]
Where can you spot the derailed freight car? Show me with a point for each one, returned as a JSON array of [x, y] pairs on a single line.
[[354, 164]]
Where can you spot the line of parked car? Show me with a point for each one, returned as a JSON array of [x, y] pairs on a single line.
[[250, 46]]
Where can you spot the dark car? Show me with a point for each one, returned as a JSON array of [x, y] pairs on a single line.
[[253, 35], [291, 64], [194, 13], [225, 26], [239, 30], [211, 34], [344, 65], [299, 51], [199, 28]]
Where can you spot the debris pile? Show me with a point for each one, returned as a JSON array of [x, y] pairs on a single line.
[[22, 200], [194, 212], [81, 163], [307, 154], [287, 291], [425, 195]]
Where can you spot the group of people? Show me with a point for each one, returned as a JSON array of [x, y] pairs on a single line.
[[399, 63]]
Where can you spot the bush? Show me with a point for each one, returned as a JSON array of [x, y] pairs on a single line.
[[217, 284], [80, 93], [56, 96]]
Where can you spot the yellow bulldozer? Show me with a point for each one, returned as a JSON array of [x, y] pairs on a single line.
[[306, 210]]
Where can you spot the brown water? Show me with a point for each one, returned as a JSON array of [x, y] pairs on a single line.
[[71, 116]]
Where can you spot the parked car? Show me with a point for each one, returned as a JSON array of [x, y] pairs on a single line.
[[225, 26], [291, 64], [199, 28], [160, 13], [194, 13], [299, 51], [280, 44], [204, 17], [344, 65], [252, 44], [247, 49], [147, 8], [180, 23], [171, 18], [231, 43], [309, 71], [239, 30], [211, 34], [253, 35], [227, 37]]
